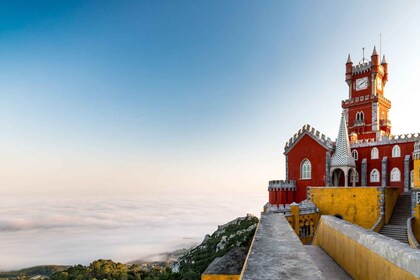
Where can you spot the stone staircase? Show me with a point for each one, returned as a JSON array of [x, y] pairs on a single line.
[[397, 227]]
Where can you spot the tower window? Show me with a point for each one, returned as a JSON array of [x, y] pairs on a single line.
[[305, 169], [396, 151], [360, 117], [395, 175], [355, 154], [374, 176], [374, 154]]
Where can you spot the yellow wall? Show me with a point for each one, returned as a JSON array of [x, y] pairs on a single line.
[[357, 205], [219, 277], [358, 261], [296, 219], [416, 173]]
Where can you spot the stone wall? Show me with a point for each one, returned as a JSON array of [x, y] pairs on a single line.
[[365, 254]]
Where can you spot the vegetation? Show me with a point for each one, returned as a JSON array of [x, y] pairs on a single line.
[[237, 233], [43, 271]]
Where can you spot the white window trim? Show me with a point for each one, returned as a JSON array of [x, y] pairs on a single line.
[[308, 171], [393, 171], [396, 151], [374, 155], [375, 180], [355, 154]]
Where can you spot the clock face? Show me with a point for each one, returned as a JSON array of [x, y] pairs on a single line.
[[362, 83], [379, 83]]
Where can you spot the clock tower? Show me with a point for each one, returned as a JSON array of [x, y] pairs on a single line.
[[367, 109]]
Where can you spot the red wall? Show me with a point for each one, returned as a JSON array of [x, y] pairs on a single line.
[[306, 148], [279, 196], [385, 150]]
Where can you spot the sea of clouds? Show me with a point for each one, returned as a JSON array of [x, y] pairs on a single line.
[[78, 229]]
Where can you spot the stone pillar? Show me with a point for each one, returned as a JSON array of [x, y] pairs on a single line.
[[294, 210], [384, 174], [353, 174], [406, 173], [327, 169], [287, 168], [364, 173], [346, 177]]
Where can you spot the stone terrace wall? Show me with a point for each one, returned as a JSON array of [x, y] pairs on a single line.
[[277, 253], [365, 254]]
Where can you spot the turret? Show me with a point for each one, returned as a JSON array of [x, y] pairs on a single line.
[[374, 61], [384, 64], [349, 66]]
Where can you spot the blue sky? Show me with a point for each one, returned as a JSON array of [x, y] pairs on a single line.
[[144, 96]]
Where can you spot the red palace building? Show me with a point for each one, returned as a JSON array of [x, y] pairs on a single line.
[[365, 152]]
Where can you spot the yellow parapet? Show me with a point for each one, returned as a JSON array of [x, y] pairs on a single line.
[[362, 206], [219, 277], [365, 254]]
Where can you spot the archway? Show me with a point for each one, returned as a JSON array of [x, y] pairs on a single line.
[[338, 177]]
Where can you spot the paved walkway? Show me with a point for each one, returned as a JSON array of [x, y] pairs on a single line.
[[329, 268], [277, 253]]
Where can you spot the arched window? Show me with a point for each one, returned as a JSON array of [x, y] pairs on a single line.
[[374, 176], [362, 117], [396, 151], [395, 175], [305, 169], [355, 154], [374, 154]]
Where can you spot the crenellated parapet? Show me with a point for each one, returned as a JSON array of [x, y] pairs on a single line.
[[289, 185], [311, 131], [365, 99], [361, 68], [305, 207], [386, 140]]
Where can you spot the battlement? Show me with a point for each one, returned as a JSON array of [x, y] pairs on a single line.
[[361, 68], [289, 185], [386, 140], [305, 207], [318, 136], [365, 98]]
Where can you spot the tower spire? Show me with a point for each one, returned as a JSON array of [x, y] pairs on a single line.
[[374, 51], [342, 156]]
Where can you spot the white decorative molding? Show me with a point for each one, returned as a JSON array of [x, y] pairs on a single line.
[[375, 116]]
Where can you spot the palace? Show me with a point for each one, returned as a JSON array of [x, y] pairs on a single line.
[[366, 153], [348, 208]]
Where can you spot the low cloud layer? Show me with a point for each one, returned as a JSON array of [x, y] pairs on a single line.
[[36, 231]]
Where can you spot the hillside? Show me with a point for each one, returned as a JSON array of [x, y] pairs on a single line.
[[235, 234], [43, 271]]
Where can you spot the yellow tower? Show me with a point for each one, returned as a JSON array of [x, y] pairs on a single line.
[[416, 191]]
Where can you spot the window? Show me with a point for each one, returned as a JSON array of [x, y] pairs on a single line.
[[395, 175], [305, 169], [374, 154], [360, 117], [396, 151], [355, 154], [374, 176]]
